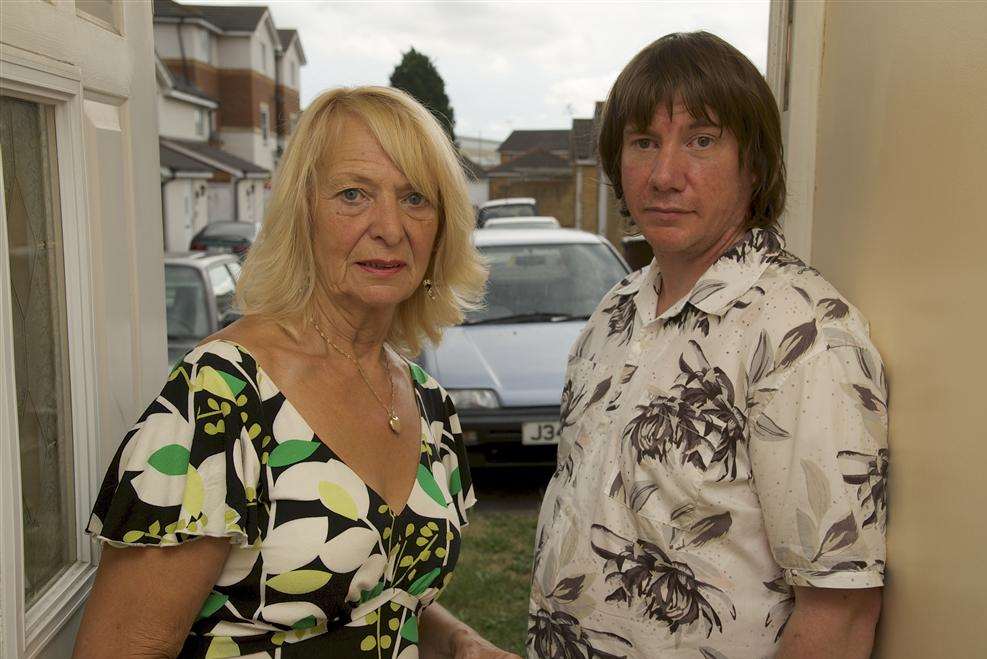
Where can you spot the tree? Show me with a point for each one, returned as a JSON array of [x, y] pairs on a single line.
[[418, 76]]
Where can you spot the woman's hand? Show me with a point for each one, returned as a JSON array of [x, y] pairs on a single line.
[[444, 636], [467, 644]]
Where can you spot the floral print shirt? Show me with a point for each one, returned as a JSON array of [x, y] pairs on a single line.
[[711, 458], [320, 565]]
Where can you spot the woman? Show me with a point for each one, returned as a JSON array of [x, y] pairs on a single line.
[[320, 474]]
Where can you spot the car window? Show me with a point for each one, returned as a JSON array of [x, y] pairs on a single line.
[[185, 303], [223, 287], [558, 279]]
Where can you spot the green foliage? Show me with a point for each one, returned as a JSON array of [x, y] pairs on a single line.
[[417, 75], [489, 589]]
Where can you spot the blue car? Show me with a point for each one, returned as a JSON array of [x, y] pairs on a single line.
[[504, 366]]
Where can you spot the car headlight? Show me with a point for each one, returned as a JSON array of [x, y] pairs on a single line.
[[474, 399]]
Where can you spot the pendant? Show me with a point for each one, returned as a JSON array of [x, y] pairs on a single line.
[[395, 423]]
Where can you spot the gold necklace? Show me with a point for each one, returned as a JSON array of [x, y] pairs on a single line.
[[393, 422]]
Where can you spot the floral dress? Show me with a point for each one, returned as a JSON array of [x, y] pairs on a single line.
[[320, 564]]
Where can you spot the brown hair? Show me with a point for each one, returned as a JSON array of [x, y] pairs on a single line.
[[707, 75]]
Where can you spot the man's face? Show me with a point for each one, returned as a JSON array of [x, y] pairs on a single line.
[[683, 184]]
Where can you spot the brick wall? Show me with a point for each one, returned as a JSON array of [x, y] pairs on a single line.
[[203, 76], [288, 105], [555, 196], [241, 92]]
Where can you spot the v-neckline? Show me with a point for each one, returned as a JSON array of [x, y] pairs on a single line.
[[419, 405]]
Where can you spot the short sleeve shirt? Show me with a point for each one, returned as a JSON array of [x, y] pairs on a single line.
[[711, 458], [320, 564]]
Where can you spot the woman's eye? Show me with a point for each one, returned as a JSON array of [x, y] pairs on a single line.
[[416, 199], [351, 194]]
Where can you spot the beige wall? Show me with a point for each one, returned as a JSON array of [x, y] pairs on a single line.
[[900, 226]]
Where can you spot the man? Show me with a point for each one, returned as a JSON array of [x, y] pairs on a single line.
[[720, 490]]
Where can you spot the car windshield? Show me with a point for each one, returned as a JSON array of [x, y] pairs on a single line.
[[508, 210], [545, 283], [185, 303]]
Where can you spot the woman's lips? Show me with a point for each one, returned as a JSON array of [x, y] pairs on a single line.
[[382, 268]]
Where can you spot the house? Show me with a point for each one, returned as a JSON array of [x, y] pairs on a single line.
[[540, 174], [83, 339], [287, 88], [560, 169], [229, 101], [520, 142]]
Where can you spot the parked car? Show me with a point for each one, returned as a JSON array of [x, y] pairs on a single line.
[[528, 222], [509, 207], [199, 291], [504, 366], [236, 237]]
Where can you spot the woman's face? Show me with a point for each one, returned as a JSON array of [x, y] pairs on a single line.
[[373, 231]]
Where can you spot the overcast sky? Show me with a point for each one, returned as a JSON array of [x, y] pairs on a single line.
[[506, 65]]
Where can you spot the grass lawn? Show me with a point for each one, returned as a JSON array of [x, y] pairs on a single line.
[[489, 589]]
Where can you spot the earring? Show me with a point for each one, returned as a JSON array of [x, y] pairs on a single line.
[[430, 289]]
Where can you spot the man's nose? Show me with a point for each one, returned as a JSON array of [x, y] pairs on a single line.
[[386, 221], [668, 170]]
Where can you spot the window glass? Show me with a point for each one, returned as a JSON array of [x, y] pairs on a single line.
[[223, 287], [200, 123], [564, 280], [264, 121], [185, 303], [41, 369], [206, 46]]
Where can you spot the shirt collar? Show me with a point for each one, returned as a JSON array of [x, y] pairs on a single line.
[[729, 278]]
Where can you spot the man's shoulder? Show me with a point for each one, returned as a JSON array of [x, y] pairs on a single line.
[[799, 311]]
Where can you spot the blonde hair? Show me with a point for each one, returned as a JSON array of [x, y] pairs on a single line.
[[279, 278]]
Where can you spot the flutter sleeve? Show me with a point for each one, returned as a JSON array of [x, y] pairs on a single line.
[[188, 467]]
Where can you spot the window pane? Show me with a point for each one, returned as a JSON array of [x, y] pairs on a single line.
[[37, 280]]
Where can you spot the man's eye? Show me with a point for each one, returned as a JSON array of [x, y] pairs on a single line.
[[351, 194], [703, 141], [643, 143]]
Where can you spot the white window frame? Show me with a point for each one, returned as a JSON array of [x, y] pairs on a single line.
[[263, 57], [795, 51], [26, 632]]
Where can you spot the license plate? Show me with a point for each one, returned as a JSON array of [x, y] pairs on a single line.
[[540, 432]]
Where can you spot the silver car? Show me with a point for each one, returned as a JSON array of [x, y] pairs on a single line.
[[504, 367], [199, 290]]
